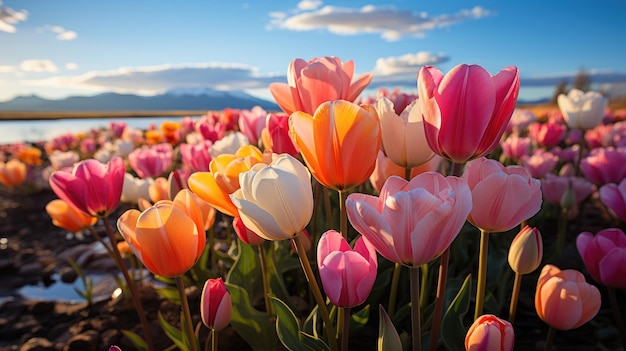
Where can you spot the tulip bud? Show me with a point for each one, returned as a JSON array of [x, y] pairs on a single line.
[[215, 306], [490, 333], [526, 251], [568, 200]]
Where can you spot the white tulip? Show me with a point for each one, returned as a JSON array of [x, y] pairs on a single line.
[[582, 110]]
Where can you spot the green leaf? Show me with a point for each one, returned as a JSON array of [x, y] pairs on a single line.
[[287, 326], [172, 332], [313, 343], [452, 328], [360, 318], [251, 323], [139, 343], [388, 338], [169, 293]]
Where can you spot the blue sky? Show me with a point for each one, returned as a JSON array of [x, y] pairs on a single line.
[[62, 47]]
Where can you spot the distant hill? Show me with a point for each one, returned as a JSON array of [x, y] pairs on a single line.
[[174, 100]]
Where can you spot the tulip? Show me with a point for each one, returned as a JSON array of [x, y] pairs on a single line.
[[412, 223], [554, 187], [526, 251], [347, 274], [275, 135], [564, 300], [67, 217], [604, 255], [117, 128], [540, 163], [276, 200], [151, 161], [12, 172], [246, 235], [605, 165], [613, 196], [215, 304], [502, 197], [317, 81], [92, 187], [171, 131], [135, 188], [582, 110], [385, 168], [339, 143], [399, 99], [515, 147], [222, 179], [29, 155], [196, 156], [403, 138], [251, 123], [159, 190], [167, 237], [547, 134], [520, 120], [467, 110], [490, 333], [228, 144], [61, 159]]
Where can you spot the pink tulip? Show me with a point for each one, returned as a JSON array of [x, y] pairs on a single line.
[[215, 304], [92, 187], [564, 300], [553, 188], [399, 99], [196, 156], [323, 79], [347, 274], [515, 147], [412, 222], [613, 196], [385, 168], [246, 235], [490, 333], [151, 161], [547, 134], [520, 120], [540, 163], [117, 128], [604, 255], [276, 135], [210, 128], [605, 165], [467, 110], [502, 197], [251, 123]]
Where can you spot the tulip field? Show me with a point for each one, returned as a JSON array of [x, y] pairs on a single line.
[[456, 220]]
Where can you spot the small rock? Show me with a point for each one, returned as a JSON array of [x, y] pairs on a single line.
[[33, 268], [42, 307], [87, 341], [37, 344], [68, 275]]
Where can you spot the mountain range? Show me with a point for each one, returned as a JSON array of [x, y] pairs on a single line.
[[179, 99]]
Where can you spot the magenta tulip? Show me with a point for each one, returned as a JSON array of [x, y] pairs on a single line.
[[196, 156], [467, 110], [215, 304], [151, 161], [92, 187], [605, 165], [412, 222], [502, 197], [251, 123], [604, 255], [347, 274], [613, 196], [547, 134]]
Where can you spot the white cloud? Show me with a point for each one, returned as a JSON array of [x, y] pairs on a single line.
[[38, 66], [308, 5], [6, 69], [71, 66], [158, 79], [62, 33], [391, 23], [409, 63], [9, 17]]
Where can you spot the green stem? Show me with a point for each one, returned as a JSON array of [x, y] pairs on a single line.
[[345, 326], [439, 299], [211, 245], [424, 285], [515, 297], [416, 330], [343, 216], [482, 273], [129, 282], [617, 316], [315, 290], [550, 339], [327, 207], [186, 313], [407, 174], [393, 293], [213, 340], [560, 234], [266, 280]]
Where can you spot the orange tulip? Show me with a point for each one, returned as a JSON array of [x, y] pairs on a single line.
[[564, 300], [67, 217], [12, 173], [29, 155], [222, 179], [159, 189], [339, 143], [167, 237]]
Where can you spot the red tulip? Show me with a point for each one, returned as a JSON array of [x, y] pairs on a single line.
[[276, 136], [347, 274], [215, 304], [604, 255], [412, 222], [92, 187], [490, 333], [502, 197], [317, 81], [547, 134], [246, 235], [564, 300], [467, 110]]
